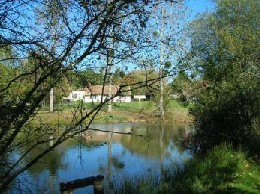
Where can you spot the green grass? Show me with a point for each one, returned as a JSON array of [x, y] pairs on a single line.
[[121, 112], [147, 184], [132, 106], [174, 104], [110, 117], [222, 170], [135, 106]]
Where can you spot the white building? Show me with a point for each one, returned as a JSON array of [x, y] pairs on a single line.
[[75, 95], [96, 93]]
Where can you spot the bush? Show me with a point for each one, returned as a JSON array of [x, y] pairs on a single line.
[[227, 112]]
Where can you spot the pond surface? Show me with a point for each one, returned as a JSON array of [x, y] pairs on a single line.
[[115, 156]]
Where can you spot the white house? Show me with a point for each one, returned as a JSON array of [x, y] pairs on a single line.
[[95, 93], [75, 95]]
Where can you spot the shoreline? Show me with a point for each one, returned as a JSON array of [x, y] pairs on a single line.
[[177, 117]]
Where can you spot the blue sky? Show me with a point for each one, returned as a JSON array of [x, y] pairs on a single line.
[[195, 7], [199, 6]]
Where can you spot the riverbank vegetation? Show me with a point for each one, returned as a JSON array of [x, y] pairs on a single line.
[[225, 73], [226, 108], [221, 170]]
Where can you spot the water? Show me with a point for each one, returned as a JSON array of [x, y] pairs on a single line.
[[115, 156]]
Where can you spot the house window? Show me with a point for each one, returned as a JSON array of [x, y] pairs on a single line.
[[74, 95]]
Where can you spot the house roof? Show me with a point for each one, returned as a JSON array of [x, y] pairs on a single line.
[[97, 89]]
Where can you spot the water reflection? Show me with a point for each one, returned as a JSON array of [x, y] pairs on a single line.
[[148, 149]]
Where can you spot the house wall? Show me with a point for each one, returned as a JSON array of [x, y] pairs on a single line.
[[75, 95], [88, 99], [81, 95], [97, 98]]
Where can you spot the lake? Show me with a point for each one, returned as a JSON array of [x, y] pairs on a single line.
[[116, 155]]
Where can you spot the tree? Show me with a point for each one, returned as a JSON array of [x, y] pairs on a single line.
[[167, 37], [118, 75], [182, 86], [225, 45], [76, 36], [89, 77], [142, 76]]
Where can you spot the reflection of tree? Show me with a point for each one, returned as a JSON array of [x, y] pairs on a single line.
[[157, 143], [50, 162], [117, 163], [5, 163], [161, 144]]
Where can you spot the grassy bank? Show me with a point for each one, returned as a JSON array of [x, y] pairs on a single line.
[[121, 112], [222, 170]]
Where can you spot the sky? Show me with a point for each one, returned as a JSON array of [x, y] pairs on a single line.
[[199, 6], [195, 7]]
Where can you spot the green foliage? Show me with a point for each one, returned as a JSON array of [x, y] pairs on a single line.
[[5, 75], [182, 86], [155, 33], [167, 64], [118, 75], [142, 185], [166, 98], [227, 107], [222, 170], [174, 104], [142, 76], [13, 88], [62, 89], [80, 79], [227, 112]]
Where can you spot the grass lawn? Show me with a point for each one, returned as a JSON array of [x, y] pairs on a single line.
[[121, 112]]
